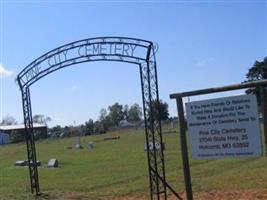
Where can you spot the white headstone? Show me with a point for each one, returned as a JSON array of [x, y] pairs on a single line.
[[52, 163], [20, 163], [78, 143]]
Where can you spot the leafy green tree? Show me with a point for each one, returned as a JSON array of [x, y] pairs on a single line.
[[116, 114], [89, 127], [257, 72], [104, 119], [8, 120], [135, 113], [41, 119], [56, 131], [82, 129], [159, 110], [103, 114], [99, 127], [67, 131], [126, 112]]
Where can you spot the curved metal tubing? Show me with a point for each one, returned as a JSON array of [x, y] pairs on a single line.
[[149, 85], [76, 44], [76, 61]]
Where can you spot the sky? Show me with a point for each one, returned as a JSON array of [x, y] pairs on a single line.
[[202, 44]]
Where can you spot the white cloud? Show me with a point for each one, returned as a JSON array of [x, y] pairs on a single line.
[[204, 62], [5, 72], [75, 88]]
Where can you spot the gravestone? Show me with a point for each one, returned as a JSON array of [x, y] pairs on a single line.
[[78, 143], [20, 163], [38, 163], [90, 145], [52, 163], [157, 146]]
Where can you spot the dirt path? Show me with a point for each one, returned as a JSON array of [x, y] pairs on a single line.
[[251, 194]]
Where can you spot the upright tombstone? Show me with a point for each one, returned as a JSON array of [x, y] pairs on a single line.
[[78, 143], [90, 145], [172, 124]]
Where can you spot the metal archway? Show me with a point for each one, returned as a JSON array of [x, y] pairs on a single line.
[[122, 49]]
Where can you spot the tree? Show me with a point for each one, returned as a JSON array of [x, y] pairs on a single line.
[[257, 72], [116, 114], [99, 127], [160, 111], [68, 131], [126, 111], [103, 114], [8, 120], [41, 119], [135, 113], [89, 127], [104, 119], [56, 131]]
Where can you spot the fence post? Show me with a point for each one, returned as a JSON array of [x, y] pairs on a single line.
[[264, 114], [183, 142]]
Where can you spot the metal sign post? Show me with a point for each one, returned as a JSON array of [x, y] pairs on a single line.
[[264, 114], [183, 142]]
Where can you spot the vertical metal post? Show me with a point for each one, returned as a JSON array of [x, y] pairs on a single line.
[[153, 127], [146, 131], [186, 168], [152, 130], [29, 136], [264, 114], [159, 128]]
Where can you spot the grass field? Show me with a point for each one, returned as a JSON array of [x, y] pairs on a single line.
[[119, 168]]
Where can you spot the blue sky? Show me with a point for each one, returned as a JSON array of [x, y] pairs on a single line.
[[201, 44]]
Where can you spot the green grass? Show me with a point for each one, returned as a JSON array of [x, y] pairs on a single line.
[[119, 168]]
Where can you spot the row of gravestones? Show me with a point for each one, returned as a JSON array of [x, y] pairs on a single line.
[[52, 163], [157, 146], [91, 146], [79, 146]]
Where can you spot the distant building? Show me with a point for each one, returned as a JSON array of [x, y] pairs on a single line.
[[19, 129], [4, 138], [125, 124]]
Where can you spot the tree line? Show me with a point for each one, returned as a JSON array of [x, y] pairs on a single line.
[[115, 113], [111, 116]]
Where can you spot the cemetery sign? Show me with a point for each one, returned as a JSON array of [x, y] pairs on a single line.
[[224, 127]]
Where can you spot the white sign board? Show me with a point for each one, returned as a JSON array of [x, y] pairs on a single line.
[[224, 127]]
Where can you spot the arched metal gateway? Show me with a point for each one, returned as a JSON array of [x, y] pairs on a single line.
[[122, 49]]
